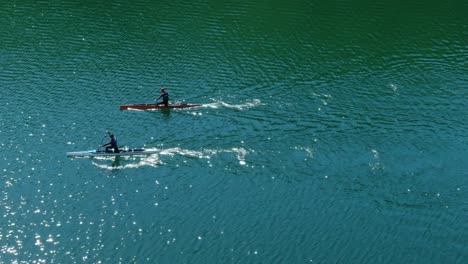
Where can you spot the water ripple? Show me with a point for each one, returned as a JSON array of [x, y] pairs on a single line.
[[346, 109]]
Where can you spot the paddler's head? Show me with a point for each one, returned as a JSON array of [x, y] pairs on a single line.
[[163, 90]]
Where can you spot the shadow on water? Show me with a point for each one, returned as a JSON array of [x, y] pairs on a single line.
[[116, 163], [166, 113]]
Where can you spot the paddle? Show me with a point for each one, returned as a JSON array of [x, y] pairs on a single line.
[[157, 100], [107, 132]]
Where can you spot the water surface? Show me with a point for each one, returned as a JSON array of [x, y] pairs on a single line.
[[330, 133]]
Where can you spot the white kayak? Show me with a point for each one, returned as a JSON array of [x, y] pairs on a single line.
[[122, 152]]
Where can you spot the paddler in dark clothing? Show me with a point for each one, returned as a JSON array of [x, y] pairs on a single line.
[[165, 96], [112, 145]]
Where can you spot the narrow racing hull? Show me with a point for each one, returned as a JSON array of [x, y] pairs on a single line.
[[125, 152], [155, 106]]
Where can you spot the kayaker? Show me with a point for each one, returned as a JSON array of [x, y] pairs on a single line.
[[112, 144], [165, 96]]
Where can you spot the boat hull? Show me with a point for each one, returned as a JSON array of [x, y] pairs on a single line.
[[126, 152], [155, 106]]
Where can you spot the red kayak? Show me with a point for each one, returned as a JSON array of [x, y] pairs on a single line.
[[155, 106]]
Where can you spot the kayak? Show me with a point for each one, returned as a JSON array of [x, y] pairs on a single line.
[[155, 106], [123, 152]]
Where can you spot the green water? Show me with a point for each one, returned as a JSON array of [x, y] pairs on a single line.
[[331, 132]]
